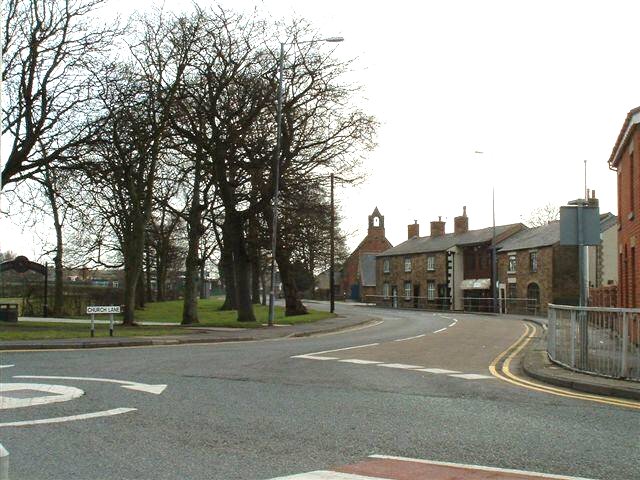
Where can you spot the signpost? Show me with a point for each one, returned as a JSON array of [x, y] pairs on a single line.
[[102, 310], [580, 226]]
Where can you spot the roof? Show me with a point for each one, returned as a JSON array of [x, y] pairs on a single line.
[[543, 236], [633, 118], [367, 269], [607, 220], [446, 241]]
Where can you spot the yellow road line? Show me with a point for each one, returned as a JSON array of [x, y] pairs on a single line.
[[504, 373]]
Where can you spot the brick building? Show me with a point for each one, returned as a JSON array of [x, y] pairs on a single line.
[[535, 270], [358, 279], [624, 159], [442, 270]]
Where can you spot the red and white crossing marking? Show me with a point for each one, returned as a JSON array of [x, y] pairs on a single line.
[[384, 467]]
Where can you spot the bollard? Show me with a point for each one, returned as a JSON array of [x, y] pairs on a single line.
[[93, 325], [4, 463]]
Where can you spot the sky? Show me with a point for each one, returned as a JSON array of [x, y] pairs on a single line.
[[537, 86]]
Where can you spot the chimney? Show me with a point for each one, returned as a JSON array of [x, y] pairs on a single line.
[[413, 230], [437, 228], [593, 201], [461, 224]]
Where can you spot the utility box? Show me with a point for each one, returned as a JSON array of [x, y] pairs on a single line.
[[8, 312]]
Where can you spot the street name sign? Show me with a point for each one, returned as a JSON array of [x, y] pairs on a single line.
[[102, 309]]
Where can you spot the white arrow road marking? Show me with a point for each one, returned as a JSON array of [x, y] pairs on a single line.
[[6, 366], [315, 357], [59, 393], [143, 387], [84, 416]]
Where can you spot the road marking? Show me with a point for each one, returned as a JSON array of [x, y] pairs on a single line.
[[315, 357], [506, 375], [441, 330], [326, 475], [360, 362], [401, 366], [470, 376], [84, 416], [142, 387], [409, 338], [6, 366], [343, 349], [437, 370], [59, 393], [478, 467], [455, 320]]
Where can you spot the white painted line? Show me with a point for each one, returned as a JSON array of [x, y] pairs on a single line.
[[441, 330], [470, 376], [444, 316], [59, 393], [479, 467], [343, 349], [453, 323], [84, 416], [315, 357], [437, 370], [360, 362], [3, 451], [401, 366], [6, 366], [409, 338], [143, 387], [326, 475]]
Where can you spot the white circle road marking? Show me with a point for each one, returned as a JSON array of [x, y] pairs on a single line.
[[84, 416], [59, 393]]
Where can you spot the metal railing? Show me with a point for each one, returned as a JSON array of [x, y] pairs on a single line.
[[402, 301], [602, 341], [527, 306]]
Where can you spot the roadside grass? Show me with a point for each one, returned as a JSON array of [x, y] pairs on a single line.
[[48, 331], [210, 315], [169, 312]]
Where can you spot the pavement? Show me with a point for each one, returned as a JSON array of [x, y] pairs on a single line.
[[199, 335], [416, 385]]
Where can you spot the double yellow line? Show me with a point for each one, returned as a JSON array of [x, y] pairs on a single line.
[[501, 369]]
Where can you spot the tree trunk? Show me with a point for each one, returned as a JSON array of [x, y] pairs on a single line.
[[293, 304], [147, 271], [263, 281], [229, 277], [133, 257], [242, 267], [58, 293], [203, 284], [190, 309]]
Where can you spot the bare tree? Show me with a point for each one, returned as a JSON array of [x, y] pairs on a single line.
[[49, 50], [542, 216]]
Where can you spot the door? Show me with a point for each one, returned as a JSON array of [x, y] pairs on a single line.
[[416, 295], [394, 297]]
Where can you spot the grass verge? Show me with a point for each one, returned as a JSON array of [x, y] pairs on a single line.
[[169, 312]]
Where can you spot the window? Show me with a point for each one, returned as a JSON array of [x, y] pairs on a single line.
[[407, 264], [407, 290], [385, 265], [512, 263], [512, 290], [431, 290], [376, 222], [431, 263], [385, 290], [533, 261]]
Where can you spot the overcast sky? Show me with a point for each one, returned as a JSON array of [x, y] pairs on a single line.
[[538, 86]]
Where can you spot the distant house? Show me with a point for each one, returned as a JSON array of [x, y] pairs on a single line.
[[535, 270], [603, 258], [442, 270], [322, 284], [356, 278]]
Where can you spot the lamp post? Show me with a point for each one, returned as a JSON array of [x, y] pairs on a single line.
[[274, 234], [494, 256]]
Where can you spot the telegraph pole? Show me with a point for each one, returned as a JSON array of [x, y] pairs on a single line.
[[332, 287]]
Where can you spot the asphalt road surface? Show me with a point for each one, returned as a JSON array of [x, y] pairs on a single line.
[[415, 385]]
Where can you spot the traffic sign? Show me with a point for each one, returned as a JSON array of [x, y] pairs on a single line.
[[101, 309]]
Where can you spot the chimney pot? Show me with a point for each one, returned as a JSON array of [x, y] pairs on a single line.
[[413, 230], [437, 228], [461, 223]]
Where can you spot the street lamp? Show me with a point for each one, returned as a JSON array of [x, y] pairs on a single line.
[[494, 256], [274, 235]]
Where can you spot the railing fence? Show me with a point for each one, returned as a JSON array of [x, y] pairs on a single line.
[[603, 341]]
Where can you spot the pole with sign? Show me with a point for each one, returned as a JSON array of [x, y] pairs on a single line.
[[103, 310]]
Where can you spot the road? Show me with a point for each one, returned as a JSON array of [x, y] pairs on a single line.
[[416, 385]]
